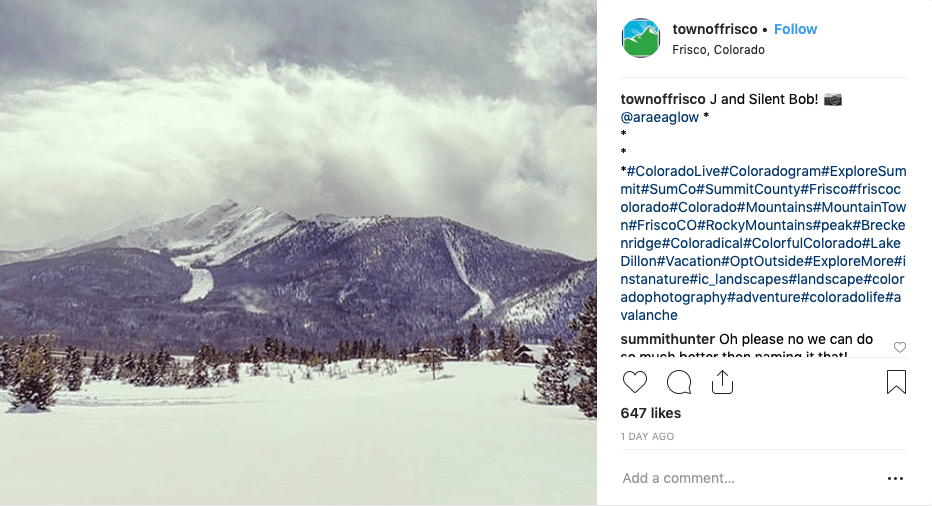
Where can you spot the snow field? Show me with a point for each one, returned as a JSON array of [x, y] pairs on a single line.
[[367, 439]]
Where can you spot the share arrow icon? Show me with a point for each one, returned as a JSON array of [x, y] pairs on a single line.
[[719, 386]]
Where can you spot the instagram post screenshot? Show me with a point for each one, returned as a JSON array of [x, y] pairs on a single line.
[[347, 252]]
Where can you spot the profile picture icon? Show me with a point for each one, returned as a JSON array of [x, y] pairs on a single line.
[[641, 38]]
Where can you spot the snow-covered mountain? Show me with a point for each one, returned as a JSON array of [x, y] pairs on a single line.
[[207, 237], [211, 236], [12, 257], [232, 272]]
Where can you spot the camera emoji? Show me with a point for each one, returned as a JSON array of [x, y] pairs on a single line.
[[833, 99]]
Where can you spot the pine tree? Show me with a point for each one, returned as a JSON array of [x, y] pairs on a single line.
[[162, 365], [475, 342], [433, 358], [492, 343], [74, 369], [6, 365], [95, 367], [17, 355], [233, 369], [585, 349], [128, 367], [554, 374], [458, 346], [147, 372], [201, 367], [252, 355], [107, 365], [36, 375], [545, 378], [200, 375], [509, 345]]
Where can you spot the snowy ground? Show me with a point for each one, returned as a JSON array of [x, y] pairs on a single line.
[[367, 439]]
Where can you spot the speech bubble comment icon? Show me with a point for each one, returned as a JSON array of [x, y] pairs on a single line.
[[679, 382]]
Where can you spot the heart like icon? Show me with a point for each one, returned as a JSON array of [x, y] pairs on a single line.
[[899, 347], [635, 380]]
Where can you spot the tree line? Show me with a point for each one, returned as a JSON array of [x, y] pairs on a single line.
[[33, 375]]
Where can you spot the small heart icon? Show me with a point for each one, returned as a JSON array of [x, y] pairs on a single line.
[[899, 347], [635, 380]]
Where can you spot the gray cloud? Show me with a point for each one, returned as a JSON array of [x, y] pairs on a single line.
[[556, 43], [427, 43], [349, 107]]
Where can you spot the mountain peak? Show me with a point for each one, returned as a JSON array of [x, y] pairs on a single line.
[[212, 235], [330, 218], [227, 204]]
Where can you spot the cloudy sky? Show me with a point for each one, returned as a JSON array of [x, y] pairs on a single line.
[[482, 111]]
